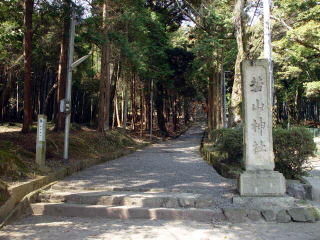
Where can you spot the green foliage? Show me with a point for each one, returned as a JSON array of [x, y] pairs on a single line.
[[312, 89], [180, 62], [292, 148], [213, 43], [229, 141], [120, 139], [296, 49], [296, 32]]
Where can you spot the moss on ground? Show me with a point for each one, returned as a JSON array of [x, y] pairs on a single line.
[[17, 150], [4, 194], [11, 162]]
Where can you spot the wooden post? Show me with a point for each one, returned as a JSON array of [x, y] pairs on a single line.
[[41, 141]]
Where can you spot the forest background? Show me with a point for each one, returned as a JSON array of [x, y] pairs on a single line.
[[185, 48]]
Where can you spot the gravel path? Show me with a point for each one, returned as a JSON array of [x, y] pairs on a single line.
[[174, 164], [170, 165], [59, 228]]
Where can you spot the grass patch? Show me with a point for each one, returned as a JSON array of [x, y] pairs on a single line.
[[17, 150], [11, 163], [4, 194]]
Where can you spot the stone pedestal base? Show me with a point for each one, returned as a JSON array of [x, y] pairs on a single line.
[[264, 203], [262, 183]]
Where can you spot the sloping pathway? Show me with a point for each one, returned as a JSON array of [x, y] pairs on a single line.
[[59, 228], [171, 165], [172, 170]]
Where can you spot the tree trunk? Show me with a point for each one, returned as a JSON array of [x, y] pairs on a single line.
[[215, 102], [125, 108], [146, 111], [159, 108], [5, 94], [186, 111], [27, 108], [175, 114], [133, 102], [115, 75], [236, 97], [141, 110], [117, 110], [298, 103], [63, 68], [104, 106], [122, 106], [210, 107]]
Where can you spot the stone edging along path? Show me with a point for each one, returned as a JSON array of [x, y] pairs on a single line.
[[21, 194], [213, 158]]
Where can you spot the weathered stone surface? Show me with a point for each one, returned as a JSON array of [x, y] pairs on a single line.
[[204, 202], [259, 178], [314, 182], [152, 200], [314, 212], [170, 203], [300, 214], [258, 150], [235, 215], [124, 212], [263, 203], [41, 141], [269, 215], [254, 215], [283, 217], [308, 189], [218, 216], [186, 202], [262, 183], [296, 189]]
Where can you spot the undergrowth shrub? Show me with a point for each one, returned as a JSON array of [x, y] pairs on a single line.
[[292, 148], [10, 162], [229, 140], [4, 193]]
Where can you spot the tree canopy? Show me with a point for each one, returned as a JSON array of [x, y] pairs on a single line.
[[184, 47]]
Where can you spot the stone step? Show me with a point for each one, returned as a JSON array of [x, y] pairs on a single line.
[[131, 199], [61, 187], [124, 212], [234, 215]]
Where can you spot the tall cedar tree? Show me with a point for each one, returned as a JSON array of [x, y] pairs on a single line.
[[63, 65], [27, 112], [104, 106]]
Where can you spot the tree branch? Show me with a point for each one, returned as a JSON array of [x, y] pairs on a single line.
[[295, 39], [193, 19]]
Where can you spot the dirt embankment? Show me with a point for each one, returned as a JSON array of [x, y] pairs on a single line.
[[17, 150]]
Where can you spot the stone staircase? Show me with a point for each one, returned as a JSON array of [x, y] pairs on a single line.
[[152, 204], [167, 204]]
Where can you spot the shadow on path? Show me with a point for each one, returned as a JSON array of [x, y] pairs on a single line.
[[174, 164]]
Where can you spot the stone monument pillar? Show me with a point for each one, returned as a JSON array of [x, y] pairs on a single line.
[[259, 179]]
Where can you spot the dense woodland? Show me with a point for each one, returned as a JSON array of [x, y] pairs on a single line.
[[164, 56]]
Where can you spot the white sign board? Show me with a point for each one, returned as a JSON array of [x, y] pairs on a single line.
[[41, 133]]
